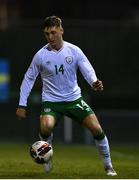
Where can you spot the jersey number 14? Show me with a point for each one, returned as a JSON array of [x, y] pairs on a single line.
[[59, 69]]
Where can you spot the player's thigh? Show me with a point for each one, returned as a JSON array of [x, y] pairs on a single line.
[[79, 110], [92, 123], [49, 115]]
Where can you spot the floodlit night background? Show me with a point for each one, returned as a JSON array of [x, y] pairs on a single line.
[[107, 32]]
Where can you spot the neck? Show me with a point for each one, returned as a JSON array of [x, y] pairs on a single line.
[[56, 47]]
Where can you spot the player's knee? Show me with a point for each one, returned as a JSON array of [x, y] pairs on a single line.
[[47, 125], [47, 128]]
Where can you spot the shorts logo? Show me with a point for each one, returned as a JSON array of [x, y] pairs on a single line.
[[47, 109], [69, 59]]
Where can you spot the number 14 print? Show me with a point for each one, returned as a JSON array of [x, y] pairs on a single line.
[[59, 69]]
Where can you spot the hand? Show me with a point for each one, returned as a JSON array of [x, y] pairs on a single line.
[[21, 113], [97, 86]]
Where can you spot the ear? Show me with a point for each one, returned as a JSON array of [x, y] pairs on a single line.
[[62, 30]]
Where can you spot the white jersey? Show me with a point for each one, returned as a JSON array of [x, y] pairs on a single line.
[[58, 73]]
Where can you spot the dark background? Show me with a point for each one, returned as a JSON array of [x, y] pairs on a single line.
[[107, 32]]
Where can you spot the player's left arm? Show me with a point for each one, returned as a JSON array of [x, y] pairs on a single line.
[[88, 72], [97, 85]]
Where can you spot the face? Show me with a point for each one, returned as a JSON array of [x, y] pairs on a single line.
[[54, 36]]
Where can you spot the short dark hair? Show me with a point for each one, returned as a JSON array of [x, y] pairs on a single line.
[[52, 21]]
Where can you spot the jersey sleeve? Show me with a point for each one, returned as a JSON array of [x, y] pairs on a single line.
[[29, 80], [86, 68]]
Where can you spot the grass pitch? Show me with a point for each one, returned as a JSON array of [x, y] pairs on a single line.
[[70, 162]]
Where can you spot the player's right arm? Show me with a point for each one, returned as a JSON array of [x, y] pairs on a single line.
[[26, 87], [21, 113]]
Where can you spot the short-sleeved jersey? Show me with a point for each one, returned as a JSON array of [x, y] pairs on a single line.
[[58, 71]]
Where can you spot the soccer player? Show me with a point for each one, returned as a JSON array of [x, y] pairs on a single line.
[[57, 63]]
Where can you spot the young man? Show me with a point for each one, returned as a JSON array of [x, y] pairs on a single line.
[[57, 63]]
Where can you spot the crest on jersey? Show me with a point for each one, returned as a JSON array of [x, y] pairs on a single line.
[[69, 59]]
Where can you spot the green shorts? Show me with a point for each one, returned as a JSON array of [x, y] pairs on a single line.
[[77, 110]]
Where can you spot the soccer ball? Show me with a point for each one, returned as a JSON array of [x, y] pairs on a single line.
[[41, 152]]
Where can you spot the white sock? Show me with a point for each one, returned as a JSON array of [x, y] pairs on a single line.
[[104, 150]]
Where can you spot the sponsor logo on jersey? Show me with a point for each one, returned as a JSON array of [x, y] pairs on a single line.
[[48, 62], [69, 59]]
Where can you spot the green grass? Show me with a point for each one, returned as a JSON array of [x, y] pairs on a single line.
[[70, 162]]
